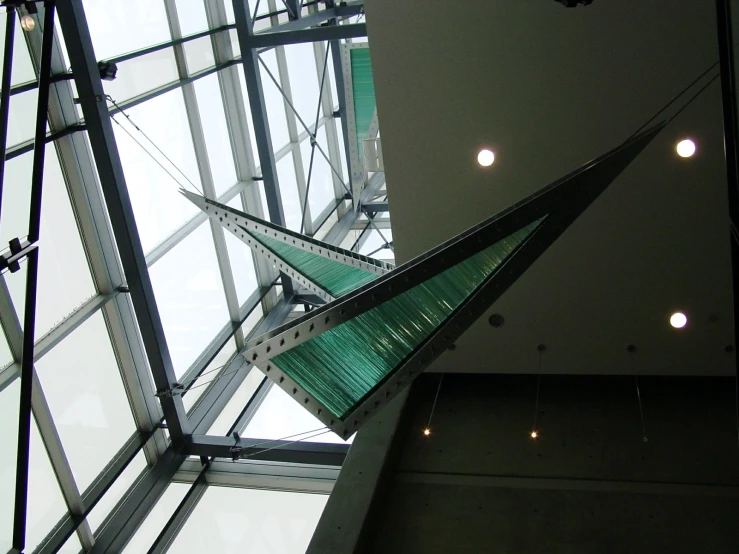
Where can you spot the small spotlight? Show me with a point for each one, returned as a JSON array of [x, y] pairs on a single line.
[[685, 148], [427, 432], [28, 23], [678, 320], [534, 434], [485, 158]]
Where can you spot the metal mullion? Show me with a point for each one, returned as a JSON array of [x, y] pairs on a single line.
[[82, 184], [312, 34], [6, 80], [102, 140], [238, 131], [44, 418], [206, 176], [332, 136]]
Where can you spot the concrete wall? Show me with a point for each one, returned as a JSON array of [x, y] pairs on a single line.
[[588, 484]]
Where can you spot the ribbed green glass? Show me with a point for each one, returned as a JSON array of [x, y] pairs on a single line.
[[363, 87], [341, 366], [334, 277]]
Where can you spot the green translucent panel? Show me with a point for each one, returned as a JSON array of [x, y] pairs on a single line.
[[363, 87], [341, 366], [336, 278]]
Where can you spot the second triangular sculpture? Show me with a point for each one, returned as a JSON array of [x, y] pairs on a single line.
[[382, 327]]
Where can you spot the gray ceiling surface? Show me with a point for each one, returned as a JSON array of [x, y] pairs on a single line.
[[549, 88]]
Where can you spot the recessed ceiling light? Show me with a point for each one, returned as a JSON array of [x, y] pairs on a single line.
[[678, 320], [486, 157], [534, 434], [685, 148], [427, 431]]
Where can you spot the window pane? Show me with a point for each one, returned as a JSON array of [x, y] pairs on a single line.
[[189, 293], [291, 205], [304, 83], [233, 35], [64, 275], [209, 374], [122, 26], [191, 15], [22, 117], [9, 406], [143, 74], [16, 198], [342, 149], [85, 392], [237, 403], [321, 191], [215, 128], [250, 521], [116, 491], [157, 204], [46, 504], [274, 100], [280, 416], [149, 530], [331, 78], [199, 55], [22, 67]]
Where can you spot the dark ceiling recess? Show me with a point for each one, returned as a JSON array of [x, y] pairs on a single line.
[[574, 3]]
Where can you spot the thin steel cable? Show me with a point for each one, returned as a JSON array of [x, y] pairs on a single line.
[[256, 9], [297, 115], [131, 121], [283, 445], [313, 142], [638, 396], [436, 398], [536, 401], [268, 441]]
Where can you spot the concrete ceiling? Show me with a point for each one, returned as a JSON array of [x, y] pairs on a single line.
[[549, 88]]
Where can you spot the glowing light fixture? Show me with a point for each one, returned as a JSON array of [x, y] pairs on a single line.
[[28, 23], [427, 431], [685, 148], [678, 320], [485, 157], [534, 434]]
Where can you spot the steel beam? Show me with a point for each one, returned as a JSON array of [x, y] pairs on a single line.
[[250, 60], [315, 18], [374, 207], [5, 92], [313, 34], [102, 139], [131, 511], [314, 453]]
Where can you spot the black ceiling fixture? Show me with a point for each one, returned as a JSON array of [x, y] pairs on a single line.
[[574, 3]]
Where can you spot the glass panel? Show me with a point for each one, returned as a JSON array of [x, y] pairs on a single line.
[[16, 198], [6, 356], [22, 117], [116, 491], [22, 66], [245, 96], [280, 416], [341, 366], [230, 11], [210, 373], [321, 191], [72, 546], [190, 297], [375, 241], [46, 504], [85, 393], [215, 128], [291, 205], [143, 74], [237, 403], [342, 149], [326, 227], [331, 78], [149, 530], [157, 204], [275, 102], [334, 277], [250, 521], [9, 406], [64, 275], [242, 266], [191, 15], [199, 55], [122, 26], [304, 81]]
